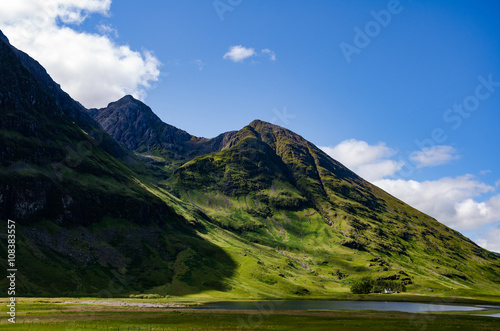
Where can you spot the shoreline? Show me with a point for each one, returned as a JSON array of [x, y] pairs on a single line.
[[147, 314], [402, 297]]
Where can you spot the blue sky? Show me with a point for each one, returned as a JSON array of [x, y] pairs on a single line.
[[411, 102]]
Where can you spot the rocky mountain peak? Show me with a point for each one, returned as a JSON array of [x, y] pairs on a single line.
[[128, 99], [134, 124]]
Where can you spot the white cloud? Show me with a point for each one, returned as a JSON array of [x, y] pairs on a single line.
[[491, 241], [272, 55], [92, 68], [239, 53], [199, 63], [33, 14], [455, 202], [434, 156], [378, 169], [354, 152], [369, 161], [449, 200], [107, 30]]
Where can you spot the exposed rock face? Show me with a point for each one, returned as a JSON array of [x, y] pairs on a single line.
[[134, 124]]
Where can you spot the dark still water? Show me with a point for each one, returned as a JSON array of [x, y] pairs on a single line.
[[409, 307]]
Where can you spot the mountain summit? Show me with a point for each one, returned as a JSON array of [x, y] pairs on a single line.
[[115, 195], [134, 124]]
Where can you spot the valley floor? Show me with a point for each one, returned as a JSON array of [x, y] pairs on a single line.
[[87, 314]]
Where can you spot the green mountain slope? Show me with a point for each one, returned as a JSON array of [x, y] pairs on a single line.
[[298, 223], [324, 224], [113, 202], [85, 219]]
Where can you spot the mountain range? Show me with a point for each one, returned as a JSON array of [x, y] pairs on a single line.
[[113, 202]]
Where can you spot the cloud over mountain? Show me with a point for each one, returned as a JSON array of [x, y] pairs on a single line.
[[371, 162], [454, 201], [434, 156], [92, 67]]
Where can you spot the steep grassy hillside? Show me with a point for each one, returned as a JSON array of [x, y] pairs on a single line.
[[87, 224], [304, 224]]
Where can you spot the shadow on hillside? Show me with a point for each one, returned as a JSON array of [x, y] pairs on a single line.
[[115, 258]]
